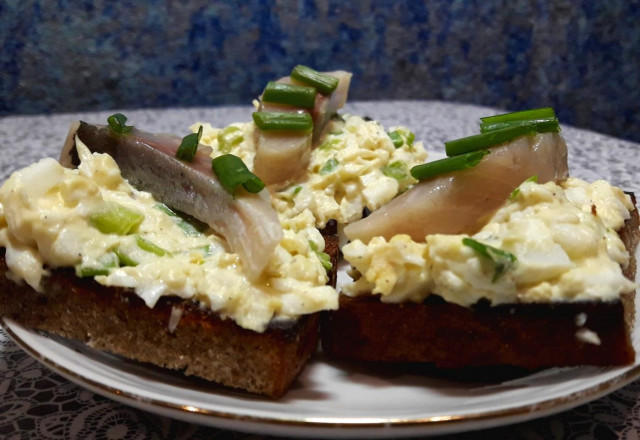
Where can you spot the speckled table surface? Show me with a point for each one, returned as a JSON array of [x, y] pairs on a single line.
[[38, 403]]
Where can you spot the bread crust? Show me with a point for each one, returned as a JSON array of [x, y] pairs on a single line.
[[447, 335], [202, 343]]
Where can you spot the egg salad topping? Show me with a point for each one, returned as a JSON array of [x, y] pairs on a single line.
[[562, 238], [90, 218], [356, 165]]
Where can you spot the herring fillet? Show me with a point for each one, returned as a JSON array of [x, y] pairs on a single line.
[[247, 221], [462, 201], [283, 157]]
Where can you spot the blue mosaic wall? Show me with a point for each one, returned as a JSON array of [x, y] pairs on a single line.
[[582, 57]]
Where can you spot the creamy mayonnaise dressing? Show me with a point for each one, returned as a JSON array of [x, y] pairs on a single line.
[[46, 209], [354, 166], [563, 237], [45, 223]]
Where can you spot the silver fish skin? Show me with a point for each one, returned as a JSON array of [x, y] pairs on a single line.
[[283, 157], [247, 221], [462, 201]]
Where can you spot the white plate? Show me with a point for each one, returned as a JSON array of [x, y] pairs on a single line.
[[330, 399]]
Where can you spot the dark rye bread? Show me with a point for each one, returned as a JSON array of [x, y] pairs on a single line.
[[530, 336], [202, 344]]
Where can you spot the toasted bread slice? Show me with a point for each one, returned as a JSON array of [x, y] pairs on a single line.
[[176, 334], [447, 335]]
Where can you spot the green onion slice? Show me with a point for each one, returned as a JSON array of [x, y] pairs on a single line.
[[455, 163], [322, 82], [401, 137], [232, 172], [107, 262], [324, 258], [516, 191], [282, 121], [490, 123], [117, 123], [289, 94], [329, 166], [124, 259], [495, 137], [396, 139], [229, 137], [113, 218], [502, 260], [148, 246], [191, 226], [189, 146], [397, 170]]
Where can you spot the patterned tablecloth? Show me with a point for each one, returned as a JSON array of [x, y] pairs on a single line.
[[35, 402]]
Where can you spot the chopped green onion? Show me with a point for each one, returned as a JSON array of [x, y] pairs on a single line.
[[113, 218], [402, 136], [148, 246], [124, 259], [396, 139], [191, 226], [322, 82], [502, 260], [229, 137], [330, 144], [282, 121], [207, 250], [290, 94], [85, 271], [455, 163], [232, 172], [329, 166], [189, 146], [296, 190], [117, 123], [397, 170], [107, 262], [490, 123], [495, 137], [516, 191], [324, 258]]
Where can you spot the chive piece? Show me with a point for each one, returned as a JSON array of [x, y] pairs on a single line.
[[516, 191], [86, 271], [124, 259], [283, 121], [495, 137], [191, 226], [502, 260], [490, 123], [324, 258], [117, 123], [396, 139], [232, 172], [189, 146], [228, 138], [542, 125], [402, 136], [107, 261], [148, 246], [296, 190], [290, 94], [329, 166], [113, 218], [455, 163], [322, 82], [397, 170]]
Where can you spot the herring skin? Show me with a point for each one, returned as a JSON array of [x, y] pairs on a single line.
[[247, 221], [461, 202]]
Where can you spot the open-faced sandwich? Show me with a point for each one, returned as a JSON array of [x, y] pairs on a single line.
[[497, 257], [172, 251]]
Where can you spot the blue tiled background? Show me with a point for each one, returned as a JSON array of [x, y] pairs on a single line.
[[582, 57]]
